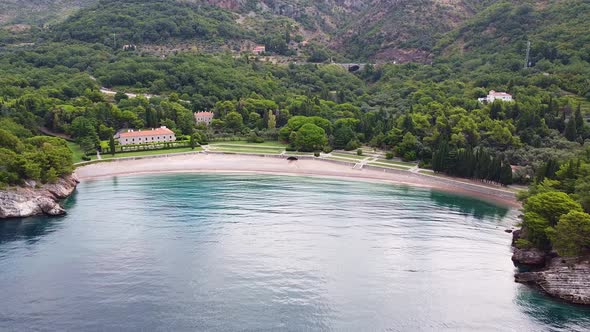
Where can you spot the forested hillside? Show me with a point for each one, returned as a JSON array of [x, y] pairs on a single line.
[[425, 112], [38, 11]]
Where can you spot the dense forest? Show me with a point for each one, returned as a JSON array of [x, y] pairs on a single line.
[[424, 112]]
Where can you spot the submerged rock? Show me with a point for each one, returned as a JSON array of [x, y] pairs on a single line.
[[564, 279], [29, 201]]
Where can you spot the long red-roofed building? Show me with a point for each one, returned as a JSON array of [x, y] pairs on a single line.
[[157, 135]]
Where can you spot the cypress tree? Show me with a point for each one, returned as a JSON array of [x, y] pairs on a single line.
[[193, 142], [506, 173], [112, 145], [571, 132], [440, 156], [579, 120]]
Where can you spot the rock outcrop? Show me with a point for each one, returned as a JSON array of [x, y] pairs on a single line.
[[564, 279], [28, 200], [530, 257]]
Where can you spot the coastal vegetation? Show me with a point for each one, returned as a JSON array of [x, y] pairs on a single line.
[[557, 207], [26, 157], [426, 113]]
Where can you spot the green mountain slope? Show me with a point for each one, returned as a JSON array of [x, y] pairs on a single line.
[[38, 11]]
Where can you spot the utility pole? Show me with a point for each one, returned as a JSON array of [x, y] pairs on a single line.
[[528, 53]]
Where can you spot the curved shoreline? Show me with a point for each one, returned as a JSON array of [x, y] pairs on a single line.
[[254, 164]]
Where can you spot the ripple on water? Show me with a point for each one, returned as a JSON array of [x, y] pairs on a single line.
[[252, 252]]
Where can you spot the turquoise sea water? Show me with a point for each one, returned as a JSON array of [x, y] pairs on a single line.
[[258, 253]]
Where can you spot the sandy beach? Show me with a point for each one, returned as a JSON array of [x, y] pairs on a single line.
[[219, 163]]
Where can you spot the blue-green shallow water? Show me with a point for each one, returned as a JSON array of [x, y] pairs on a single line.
[[252, 252]]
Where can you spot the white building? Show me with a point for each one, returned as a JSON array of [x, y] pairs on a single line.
[[259, 49], [493, 96], [157, 135], [204, 117]]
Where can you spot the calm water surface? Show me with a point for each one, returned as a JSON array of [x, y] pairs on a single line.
[[259, 253]]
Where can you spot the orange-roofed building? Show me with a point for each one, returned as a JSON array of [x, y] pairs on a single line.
[[157, 135], [204, 117]]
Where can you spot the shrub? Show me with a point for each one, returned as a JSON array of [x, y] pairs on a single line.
[[290, 148], [327, 149], [86, 158], [359, 152], [316, 154], [523, 244], [389, 155]]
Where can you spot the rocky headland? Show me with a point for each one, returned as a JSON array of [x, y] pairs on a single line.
[[32, 199], [565, 278]]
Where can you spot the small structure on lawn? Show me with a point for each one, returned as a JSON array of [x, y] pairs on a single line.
[[493, 96], [158, 135], [259, 49], [204, 117]]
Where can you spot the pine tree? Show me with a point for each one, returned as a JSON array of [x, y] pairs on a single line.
[[571, 132], [496, 110]]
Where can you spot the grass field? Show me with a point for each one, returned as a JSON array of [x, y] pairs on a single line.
[[77, 152], [267, 144], [148, 153], [340, 159], [405, 168], [346, 155], [247, 150], [393, 162]]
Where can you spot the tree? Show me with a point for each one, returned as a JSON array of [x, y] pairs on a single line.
[[506, 173], [408, 148], [272, 120], [120, 96], [440, 156], [579, 120], [551, 205], [10, 141], [234, 121], [343, 135], [112, 145], [571, 235], [192, 142], [571, 132], [310, 138], [535, 225]]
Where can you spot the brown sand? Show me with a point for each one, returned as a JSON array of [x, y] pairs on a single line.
[[216, 163]]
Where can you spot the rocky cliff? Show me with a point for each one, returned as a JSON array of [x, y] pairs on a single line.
[[30, 200], [566, 279]]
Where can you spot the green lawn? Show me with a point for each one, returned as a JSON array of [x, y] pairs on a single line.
[[253, 149], [346, 155], [340, 159], [264, 144], [77, 152], [297, 153], [405, 168], [393, 162], [148, 153]]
